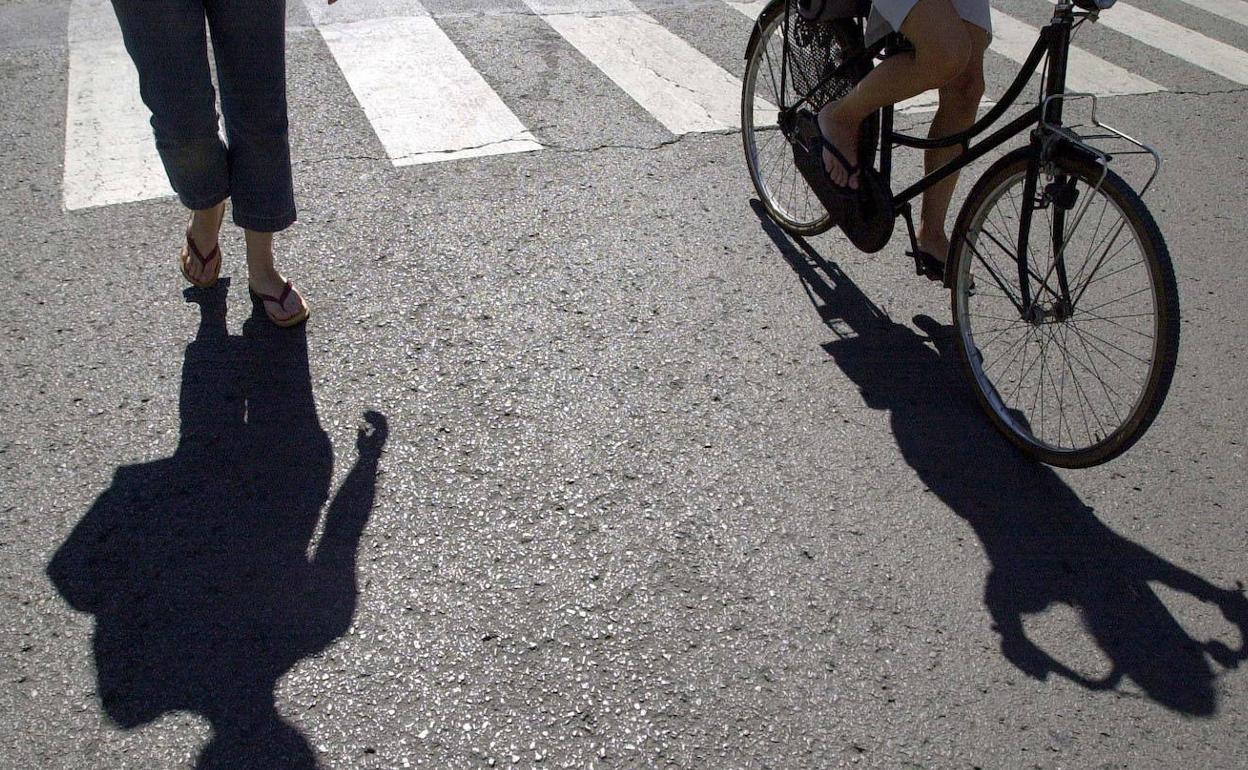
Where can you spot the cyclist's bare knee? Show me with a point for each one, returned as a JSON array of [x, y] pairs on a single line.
[[969, 84], [943, 61], [964, 92]]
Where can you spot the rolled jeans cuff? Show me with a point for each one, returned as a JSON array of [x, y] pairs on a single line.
[[264, 224], [203, 202]]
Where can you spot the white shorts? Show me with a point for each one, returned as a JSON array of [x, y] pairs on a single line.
[[887, 16]]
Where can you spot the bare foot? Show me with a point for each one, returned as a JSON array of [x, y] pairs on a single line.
[[842, 133]]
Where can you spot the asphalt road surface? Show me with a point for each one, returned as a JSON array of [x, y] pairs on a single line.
[[580, 461]]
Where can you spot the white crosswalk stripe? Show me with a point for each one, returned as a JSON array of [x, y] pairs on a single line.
[[424, 99], [1193, 47], [682, 88], [1232, 10], [751, 8], [426, 102], [1014, 39], [110, 156]]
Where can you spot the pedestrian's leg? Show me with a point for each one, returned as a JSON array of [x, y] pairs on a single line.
[[283, 306], [959, 103], [170, 51], [941, 50], [249, 40]]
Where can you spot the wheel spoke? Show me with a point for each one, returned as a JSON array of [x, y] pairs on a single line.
[[1084, 399], [995, 277], [990, 344], [1044, 284], [1098, 338], [1105, 387], [1068, 383], [1093, 243], [1115, 272], [1110, 320], [1123, 298], [1087, 399]]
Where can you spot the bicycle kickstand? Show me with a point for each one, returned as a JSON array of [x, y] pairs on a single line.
[[914, 240], [923, 266]]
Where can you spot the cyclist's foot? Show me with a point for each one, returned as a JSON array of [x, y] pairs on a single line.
[[931, 254], [843, 135], [938, 247]]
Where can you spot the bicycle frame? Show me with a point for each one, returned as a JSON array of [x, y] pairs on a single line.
[[1053, 41], [1052, 46]]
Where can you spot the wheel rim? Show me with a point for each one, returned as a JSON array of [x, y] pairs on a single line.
[[768, 153], [1065, 379]]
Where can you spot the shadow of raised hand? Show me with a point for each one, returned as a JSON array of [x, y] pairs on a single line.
[[1045, 545], [196, 566]]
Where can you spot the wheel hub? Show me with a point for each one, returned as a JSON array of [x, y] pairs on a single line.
[[1041, 313]]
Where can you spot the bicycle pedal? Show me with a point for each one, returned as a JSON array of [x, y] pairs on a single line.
[[927, 266], [869, 225]]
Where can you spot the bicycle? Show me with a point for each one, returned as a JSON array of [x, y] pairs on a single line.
[[1069, 346]]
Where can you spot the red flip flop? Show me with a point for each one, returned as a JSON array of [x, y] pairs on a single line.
[[192, 250], [295, 318]]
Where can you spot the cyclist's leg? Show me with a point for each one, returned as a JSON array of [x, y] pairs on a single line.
[[959, 103], [941, 50]]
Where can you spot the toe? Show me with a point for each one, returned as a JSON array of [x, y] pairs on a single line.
[[195, 267], [189, 266], [290, 308]]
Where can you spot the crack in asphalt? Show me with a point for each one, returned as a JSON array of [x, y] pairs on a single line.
[[1243, 90], [336, 158], [608, 146], [561, 148], [568, 149]]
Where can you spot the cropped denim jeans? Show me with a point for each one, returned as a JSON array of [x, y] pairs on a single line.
[[166, 39]]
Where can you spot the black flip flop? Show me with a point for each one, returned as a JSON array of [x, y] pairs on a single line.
[[928, 264], [850, 169], [808, 145]]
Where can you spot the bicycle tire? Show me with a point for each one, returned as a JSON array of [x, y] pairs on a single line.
[[768, 154], [1148, 336]]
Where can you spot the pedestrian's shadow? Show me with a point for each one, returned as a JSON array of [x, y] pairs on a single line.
[[204, 570], [1045, 546]]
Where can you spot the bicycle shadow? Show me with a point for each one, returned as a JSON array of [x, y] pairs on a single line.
[[197, 566], [1045, 545]]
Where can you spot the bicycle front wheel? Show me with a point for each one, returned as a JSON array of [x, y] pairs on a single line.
[[1072, 375], [780, 186]]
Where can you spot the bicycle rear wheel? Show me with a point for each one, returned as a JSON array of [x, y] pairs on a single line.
[[1073, 378], [815, 49]]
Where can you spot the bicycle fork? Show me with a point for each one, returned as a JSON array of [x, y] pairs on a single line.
[[1059, 196]]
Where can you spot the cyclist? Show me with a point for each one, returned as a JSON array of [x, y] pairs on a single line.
[[949, 38]]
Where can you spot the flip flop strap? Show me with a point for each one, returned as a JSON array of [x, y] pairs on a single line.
[[281, 301], [190, 242], [850, 169]]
